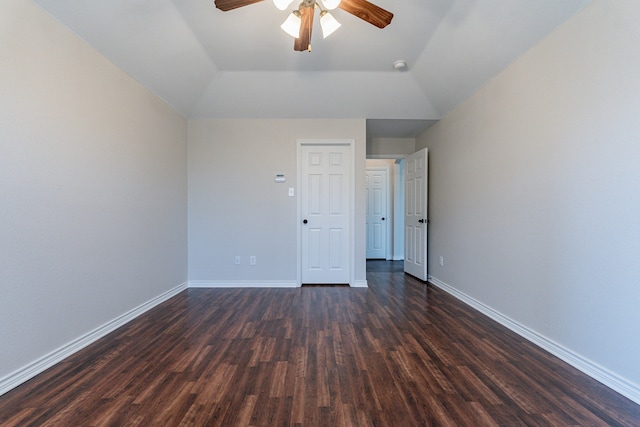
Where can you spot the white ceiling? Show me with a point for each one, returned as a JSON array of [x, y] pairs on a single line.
[[240, 64]]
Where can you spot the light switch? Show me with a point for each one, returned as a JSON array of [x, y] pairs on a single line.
[[291, 192]]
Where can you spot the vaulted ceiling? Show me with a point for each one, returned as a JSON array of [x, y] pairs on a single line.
[[240, 64]]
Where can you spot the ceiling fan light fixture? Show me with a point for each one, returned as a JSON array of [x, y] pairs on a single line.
[[331, 4], [328, 23], [282, 4], [292, 25], [299, 24]]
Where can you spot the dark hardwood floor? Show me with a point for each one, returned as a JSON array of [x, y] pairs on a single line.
[[400, 353]]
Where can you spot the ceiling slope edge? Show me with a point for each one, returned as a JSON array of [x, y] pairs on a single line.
[[464, 53], [340, 94], [172, 64]]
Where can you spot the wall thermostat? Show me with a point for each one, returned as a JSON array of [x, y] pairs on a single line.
[[280, 178]]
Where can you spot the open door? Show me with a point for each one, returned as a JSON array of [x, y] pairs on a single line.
[[415, 214]]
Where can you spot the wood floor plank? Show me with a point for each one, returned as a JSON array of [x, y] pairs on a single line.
[[400, 353]]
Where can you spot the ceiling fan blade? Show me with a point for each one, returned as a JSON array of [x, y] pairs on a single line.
[[368, 11], [304, 41], [226, 5]]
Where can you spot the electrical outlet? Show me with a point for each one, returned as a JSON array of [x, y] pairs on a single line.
[[237, 260], [252, 260], [441, 261]]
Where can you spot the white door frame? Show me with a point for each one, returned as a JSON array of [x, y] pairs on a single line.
[[398, 210], [352, 204], [389, 211]]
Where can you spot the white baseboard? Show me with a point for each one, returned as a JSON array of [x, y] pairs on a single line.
[[620, 384], [359, 284], [258, 284], [29, 371], [243, 284]]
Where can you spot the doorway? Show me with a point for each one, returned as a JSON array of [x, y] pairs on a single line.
[[408, 236], [394, 215]]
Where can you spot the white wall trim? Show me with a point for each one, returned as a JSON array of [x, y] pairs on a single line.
[[386, 156], [38, 366], [359, 284], [398, 210], [243, 284], [617, 383]]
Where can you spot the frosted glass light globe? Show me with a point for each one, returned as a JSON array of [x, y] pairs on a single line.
[[331, 4]]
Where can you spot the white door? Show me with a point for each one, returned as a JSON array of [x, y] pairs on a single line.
[[376, 195], [325, 209], [415, 214]]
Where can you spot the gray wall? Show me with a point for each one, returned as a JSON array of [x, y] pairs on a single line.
[[535, 191], [392, 147], [92, 189], [236, 208]]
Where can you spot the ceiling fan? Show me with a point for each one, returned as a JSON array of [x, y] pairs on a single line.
[[300, 22]]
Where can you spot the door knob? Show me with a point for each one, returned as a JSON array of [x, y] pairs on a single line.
[[304, 221], [421, 221], [383, 218]]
